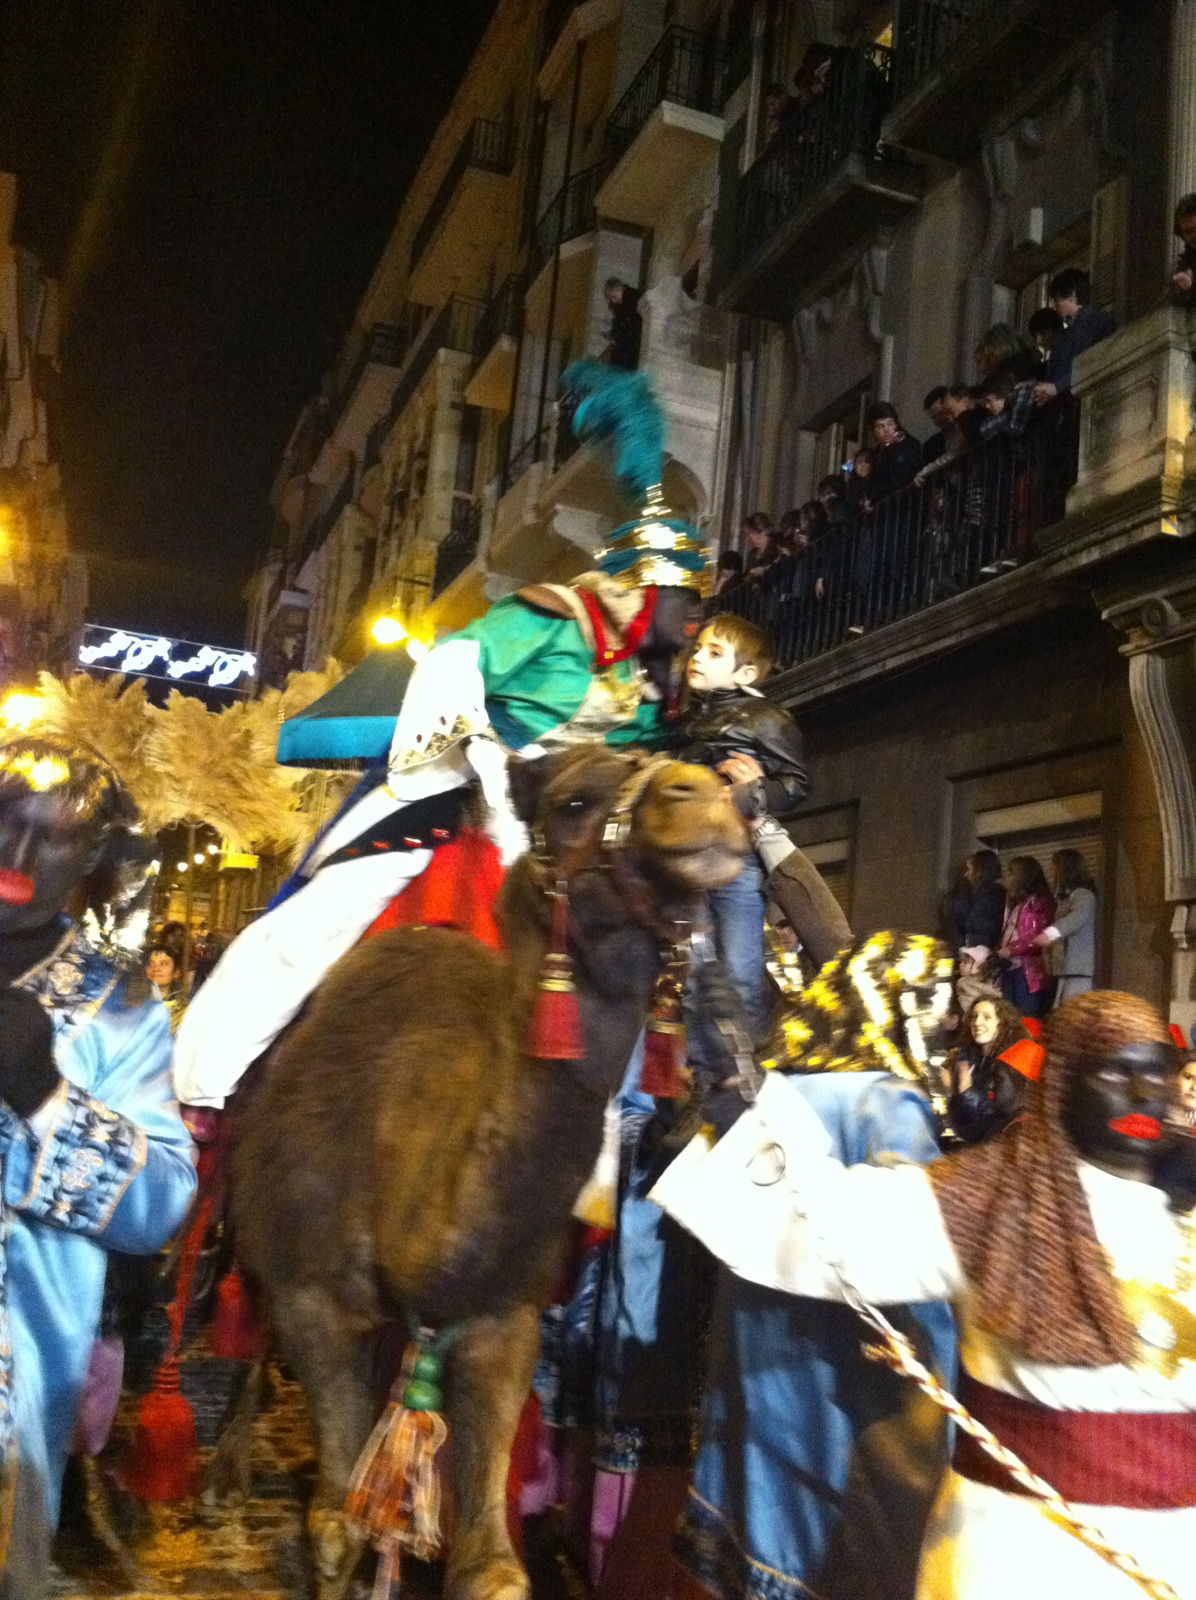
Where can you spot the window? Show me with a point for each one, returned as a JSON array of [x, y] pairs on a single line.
[[840, 436]]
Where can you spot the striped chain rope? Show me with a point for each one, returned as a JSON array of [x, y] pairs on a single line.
[[897, 1352]]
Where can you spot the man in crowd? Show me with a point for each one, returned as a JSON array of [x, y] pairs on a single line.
[[936, 407], [626, 326], [1183, 279], [1084, 325]]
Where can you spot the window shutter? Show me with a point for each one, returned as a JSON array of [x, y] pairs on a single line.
[[1107, 259]]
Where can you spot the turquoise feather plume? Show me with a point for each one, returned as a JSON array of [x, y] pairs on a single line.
[[620, 408]]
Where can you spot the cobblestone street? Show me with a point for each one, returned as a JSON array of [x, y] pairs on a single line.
[[193, 1552]]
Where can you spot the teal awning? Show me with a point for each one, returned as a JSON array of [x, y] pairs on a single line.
[[353, 724]]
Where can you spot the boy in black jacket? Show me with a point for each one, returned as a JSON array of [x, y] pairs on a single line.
[[756, 746]]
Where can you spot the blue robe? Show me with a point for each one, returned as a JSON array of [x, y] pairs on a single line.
[[817, 1468], [107, 1165]]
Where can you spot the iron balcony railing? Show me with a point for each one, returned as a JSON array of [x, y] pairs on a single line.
[[570, 213], [973, 518], [815, 137], [529, 452], [324, 521], [504, 315], [488, 147], [924, 32], [454, 327], [384, 345], [459, 545], [686, 68]]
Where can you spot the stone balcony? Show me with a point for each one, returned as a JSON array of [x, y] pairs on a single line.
[[1130, 514]]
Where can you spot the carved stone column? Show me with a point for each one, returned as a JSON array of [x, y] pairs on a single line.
[[1160, 642], [1181, 139]]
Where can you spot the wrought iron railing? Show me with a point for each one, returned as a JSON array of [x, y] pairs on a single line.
[[384, 345], [686, 68], [972, 519], [504, 315], [570, 213], [488, 146], [324, 521], [815, 137], [925, 30], [529, 452], [459, 545], [454, 327]]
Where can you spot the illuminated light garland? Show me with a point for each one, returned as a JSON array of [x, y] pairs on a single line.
[[116, 650]]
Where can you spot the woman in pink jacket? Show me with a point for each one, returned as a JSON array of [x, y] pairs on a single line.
[[1028, 912]]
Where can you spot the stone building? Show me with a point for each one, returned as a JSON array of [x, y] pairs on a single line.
[[795, 267], [43, 587], [964, 153], [433, 473]]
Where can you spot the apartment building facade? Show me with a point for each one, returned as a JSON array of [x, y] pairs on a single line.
[[964, 150], [43, 585]]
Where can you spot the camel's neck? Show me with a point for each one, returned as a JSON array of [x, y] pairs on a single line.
[[615, 964]]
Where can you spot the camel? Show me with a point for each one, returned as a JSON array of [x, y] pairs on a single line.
[[404, 1157]]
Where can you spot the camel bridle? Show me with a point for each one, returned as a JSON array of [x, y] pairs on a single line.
[[615, 855]]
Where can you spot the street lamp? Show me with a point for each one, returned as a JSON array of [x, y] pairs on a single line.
[[388, 631], [20, 710]]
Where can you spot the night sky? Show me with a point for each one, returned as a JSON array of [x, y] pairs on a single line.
[[213, 183]]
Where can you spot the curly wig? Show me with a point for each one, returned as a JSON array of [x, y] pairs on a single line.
[[853, 1016], [1017, 1213], [114, 895]]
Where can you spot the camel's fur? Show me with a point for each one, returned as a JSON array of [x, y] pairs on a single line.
[[403, 1155]]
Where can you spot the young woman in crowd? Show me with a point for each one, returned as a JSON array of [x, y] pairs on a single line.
[[759, 546], [1071, 937], [990, 1070], [1029, 911], [985, 917]]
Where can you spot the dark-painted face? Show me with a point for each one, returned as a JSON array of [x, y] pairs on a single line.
[[45, 850], [1116, 1106], [675, 624]]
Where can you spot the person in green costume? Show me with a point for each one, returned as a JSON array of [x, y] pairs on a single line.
[[552, 665]]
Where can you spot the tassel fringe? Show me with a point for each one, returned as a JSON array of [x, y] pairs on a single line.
[[396, 1496], [556, 1021]]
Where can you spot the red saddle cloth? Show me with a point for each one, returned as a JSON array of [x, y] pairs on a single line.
[[458, 889]]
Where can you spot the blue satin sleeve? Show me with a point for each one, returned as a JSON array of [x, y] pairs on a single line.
[[115, 1163]]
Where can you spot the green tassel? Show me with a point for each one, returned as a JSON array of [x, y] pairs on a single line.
[[622, 408]]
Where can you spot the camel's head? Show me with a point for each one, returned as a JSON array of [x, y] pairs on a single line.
[[590, 806]]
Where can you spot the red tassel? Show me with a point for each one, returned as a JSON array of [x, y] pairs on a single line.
[[236, 1335], [164, 1457], [663, 1073], [556, 1021]]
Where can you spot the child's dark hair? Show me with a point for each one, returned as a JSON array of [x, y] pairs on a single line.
[[751, 644]]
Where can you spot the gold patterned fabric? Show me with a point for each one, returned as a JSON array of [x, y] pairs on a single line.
[[856, 1014]]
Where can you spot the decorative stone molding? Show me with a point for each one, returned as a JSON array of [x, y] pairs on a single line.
[[1136, 391], [1159, 624]]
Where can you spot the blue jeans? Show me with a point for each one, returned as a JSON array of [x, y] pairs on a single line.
[[737, 914]]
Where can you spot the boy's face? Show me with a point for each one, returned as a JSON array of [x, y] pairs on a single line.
[[713, 666]]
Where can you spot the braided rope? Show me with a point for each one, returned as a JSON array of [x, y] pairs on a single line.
[[895, 1351]]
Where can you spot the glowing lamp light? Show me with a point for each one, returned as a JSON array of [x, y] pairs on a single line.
[[416, 649], [183, 865], [388, 631], [213, 849], [200, 859], [20, 710]]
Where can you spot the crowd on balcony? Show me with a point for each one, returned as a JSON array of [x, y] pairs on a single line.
[[909, 521]]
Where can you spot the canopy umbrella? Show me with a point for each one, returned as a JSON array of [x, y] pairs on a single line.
[[351, 726]]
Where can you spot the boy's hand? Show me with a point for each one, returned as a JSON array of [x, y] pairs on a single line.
[[741, 769]]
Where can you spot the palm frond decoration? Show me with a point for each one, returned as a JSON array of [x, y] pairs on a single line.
[[212, 772], [620, 408], [114, 717]]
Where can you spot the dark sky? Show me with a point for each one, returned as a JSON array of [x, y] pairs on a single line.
[[214, 183]]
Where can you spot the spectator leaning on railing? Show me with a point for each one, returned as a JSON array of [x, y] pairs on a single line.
[[1083, 326], [1183, 277]]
